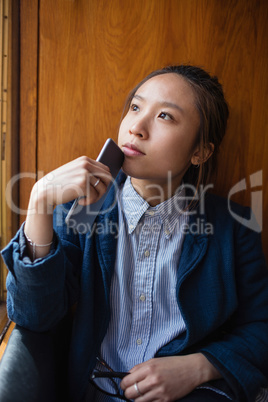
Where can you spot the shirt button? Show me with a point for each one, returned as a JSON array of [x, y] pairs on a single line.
[[139, 341], [151, 213], [131, 227], [167, 232], [147, 253], [142, 297]]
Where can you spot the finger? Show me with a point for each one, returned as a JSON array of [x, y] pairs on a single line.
[[136, 392], [97, 188], [137, 374], [104, 176], [140, 391], [153, 395], [93, 168], [98, 185], [133, 392], [98, 178], [145, 390], [96, 164]]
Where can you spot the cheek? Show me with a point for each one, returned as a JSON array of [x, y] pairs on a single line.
[[121, 131], [177, 156], [119, 137]]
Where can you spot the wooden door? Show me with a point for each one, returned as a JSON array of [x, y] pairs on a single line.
[[81, 57]]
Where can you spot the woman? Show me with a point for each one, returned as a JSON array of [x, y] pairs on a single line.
[[183, 311]]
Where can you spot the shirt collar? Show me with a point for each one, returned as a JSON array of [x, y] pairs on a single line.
[[135, 207]]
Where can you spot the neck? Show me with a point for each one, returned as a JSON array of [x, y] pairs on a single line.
[[155, 192]]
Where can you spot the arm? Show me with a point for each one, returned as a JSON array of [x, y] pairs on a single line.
[[241, 353], [40, 293], [75, 179]]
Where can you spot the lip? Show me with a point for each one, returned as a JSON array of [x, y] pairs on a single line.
[[132, 150]]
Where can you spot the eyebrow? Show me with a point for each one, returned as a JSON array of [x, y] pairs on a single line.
[[163, 104]]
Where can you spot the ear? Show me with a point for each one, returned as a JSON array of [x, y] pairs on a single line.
[[201, 156]]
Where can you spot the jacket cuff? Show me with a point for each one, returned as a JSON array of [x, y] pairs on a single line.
[[24, 256], [228, 384]]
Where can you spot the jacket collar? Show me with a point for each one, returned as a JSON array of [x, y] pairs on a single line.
[[106, 240], [195, 244]]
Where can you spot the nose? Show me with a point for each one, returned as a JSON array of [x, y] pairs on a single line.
[[139, 128]]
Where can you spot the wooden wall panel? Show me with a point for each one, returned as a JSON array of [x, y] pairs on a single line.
[[91, 52], [9, 104], [28, 98]]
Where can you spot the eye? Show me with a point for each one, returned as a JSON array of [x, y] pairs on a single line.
[[165, 116], [134, 107]]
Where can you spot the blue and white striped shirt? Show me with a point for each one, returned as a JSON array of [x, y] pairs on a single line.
[[144, 309]]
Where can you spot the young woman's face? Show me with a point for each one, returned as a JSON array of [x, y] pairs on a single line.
[[158, 135]]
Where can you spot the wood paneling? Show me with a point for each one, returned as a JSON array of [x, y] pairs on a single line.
[[6, 338], [9, 104], [28, 98], [92, 52]]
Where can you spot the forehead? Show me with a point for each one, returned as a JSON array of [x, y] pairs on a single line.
[[168, 87]]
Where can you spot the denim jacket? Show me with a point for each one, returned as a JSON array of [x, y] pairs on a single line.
[[222, 292]]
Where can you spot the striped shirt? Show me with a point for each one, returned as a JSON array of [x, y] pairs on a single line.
[[144, 309]]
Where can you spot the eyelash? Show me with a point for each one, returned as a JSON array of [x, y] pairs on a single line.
[[167, 114], [133, 107]]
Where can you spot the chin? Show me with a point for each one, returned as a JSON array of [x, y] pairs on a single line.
[[131, 173], [138, 171], [128, 169]]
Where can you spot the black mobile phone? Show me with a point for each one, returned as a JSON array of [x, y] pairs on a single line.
[[81, 218]]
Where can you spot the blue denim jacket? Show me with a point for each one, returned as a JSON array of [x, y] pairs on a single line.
[[222, 293]]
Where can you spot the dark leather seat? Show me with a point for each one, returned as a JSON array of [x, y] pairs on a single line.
[[34, 365]]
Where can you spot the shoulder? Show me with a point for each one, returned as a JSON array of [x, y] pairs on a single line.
[[234, 226], [222, 204], [224, 210], [227, 221]]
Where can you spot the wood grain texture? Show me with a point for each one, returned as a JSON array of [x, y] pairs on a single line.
[[91, 53], [6, 338], [10, 131], [28, 98]]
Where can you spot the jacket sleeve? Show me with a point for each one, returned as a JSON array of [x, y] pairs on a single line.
[[40, 293], [241, 354]]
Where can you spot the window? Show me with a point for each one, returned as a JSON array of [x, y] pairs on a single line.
[[9, 76]]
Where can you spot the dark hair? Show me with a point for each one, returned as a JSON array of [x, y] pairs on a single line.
[[213, 111]]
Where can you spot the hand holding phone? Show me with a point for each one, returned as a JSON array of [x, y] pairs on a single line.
[[80, 217]]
